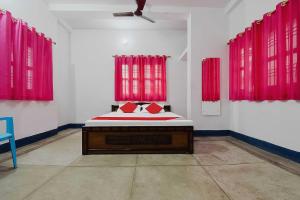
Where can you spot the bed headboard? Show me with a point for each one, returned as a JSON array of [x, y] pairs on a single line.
[[114, 108]]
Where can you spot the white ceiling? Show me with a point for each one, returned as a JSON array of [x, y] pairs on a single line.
[[200, 3], [105, 20], [97, 14]]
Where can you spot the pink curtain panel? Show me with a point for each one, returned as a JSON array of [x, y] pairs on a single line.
[[211, 79], [26, 62], [140, 78], [265, 59]]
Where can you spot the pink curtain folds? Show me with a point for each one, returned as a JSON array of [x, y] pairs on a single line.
[[264, 60], [241, 67], [140, 78], [211, 79], [5, 55], [288, 61], [256, 60], [26, 70]]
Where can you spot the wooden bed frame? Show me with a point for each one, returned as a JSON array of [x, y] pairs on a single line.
[[137, 139]]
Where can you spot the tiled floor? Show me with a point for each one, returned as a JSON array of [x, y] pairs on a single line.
[[218, 170]]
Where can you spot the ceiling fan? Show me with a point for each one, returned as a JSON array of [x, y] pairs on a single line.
[[138, 12]]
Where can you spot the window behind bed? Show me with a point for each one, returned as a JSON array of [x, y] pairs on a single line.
[[140, 78]]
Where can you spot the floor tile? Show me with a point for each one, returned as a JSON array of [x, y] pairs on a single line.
[[277, 160], [30, 147], [174, 183], [88, 183], [222, 152], [17, 184], [166, 159], [256, 181], [61, 152], [105, 160], [240, 174]]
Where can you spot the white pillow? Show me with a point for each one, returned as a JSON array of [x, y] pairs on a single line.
[[143, 110]]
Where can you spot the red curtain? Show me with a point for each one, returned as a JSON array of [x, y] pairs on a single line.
[[26, 61], [211, 79], [241, 67], [264, 60], [140, 78]]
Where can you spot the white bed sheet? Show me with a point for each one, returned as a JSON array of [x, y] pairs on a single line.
[[180, 121]]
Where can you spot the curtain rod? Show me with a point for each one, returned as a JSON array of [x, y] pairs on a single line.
[[166, 56], [13, 18]]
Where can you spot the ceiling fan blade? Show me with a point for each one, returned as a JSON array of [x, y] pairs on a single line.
[[147, 18], [123, 14], [140, 4]]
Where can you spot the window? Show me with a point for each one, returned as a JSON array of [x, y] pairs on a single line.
[[29, 65], [125, 81], [147, 79], [211, 79], [26, 61], [250, 73], [291, 51], [241, 79], [140, 78], [272, 59], [242, 68], [268, 68]]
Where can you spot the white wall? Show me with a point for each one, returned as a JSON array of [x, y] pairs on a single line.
[[276, 122], [207, 35], [64, 82], [246, 12], [92, 52], [33, 117]]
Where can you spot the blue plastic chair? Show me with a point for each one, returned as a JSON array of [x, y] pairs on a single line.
[[10, 135]]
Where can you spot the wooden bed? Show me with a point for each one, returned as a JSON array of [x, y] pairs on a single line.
[[137, 139]]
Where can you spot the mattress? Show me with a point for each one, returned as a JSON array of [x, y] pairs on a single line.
[[179, 121]]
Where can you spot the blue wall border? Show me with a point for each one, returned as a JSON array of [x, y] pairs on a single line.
[[211, 133], [267, 146], [40, 136]]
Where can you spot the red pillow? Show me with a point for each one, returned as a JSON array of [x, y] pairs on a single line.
[[128, 107], [154, 108]]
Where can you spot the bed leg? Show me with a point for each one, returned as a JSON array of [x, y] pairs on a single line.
[[191, 143], [84, 141]]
